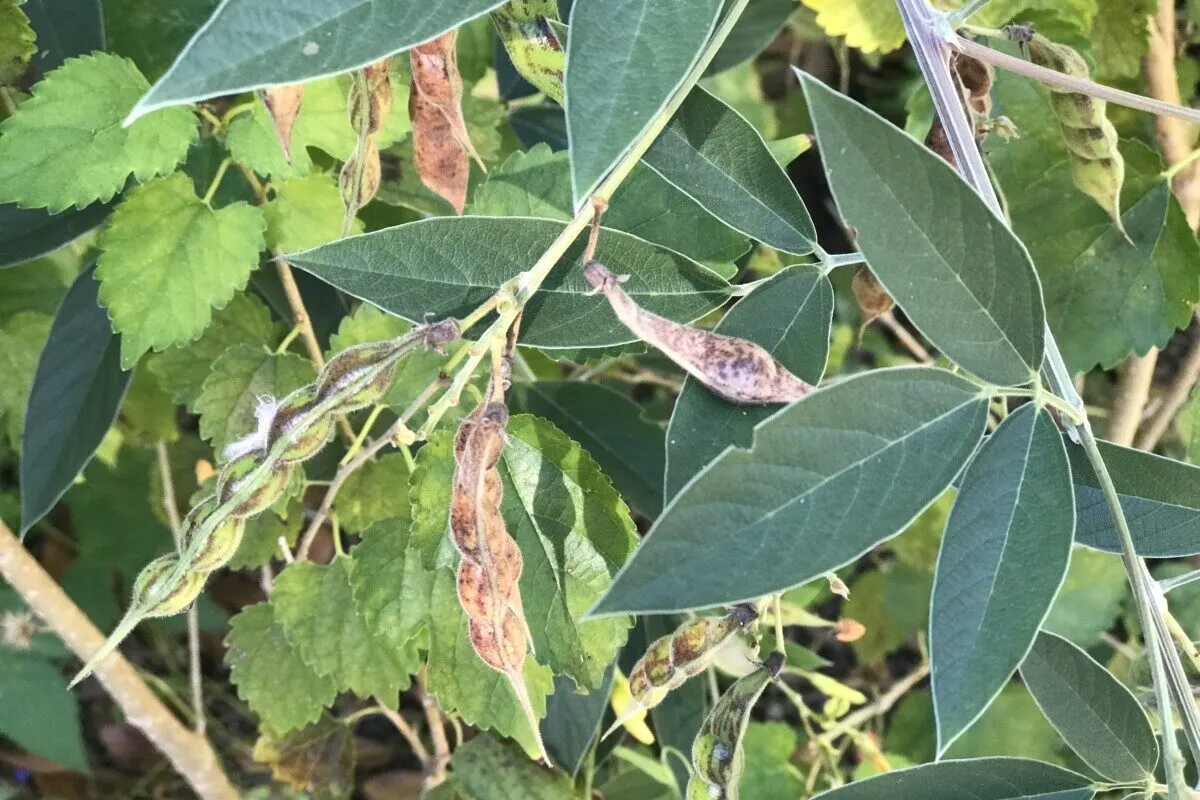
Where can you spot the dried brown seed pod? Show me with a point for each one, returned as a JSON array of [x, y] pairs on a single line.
[[283, 105], [872, 298], [736, 369]]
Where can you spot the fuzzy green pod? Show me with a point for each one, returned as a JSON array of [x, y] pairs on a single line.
[[355, 378], [534, 40], [717, 757], [153, 588], [1097, 166], [219, 545], [262, 491], [294, 421]]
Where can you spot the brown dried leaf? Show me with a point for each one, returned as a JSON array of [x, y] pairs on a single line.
[[441, 147], [872, 298], [283, 104], [736, 369], [319, 758]]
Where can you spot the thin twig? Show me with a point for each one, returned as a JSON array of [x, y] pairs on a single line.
[[407, 731], [909, 341], [196, 679], [190, 754], [882, 704], [437, 732], [1129, 400], [1173, 400]]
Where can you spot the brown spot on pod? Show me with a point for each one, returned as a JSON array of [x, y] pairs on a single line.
[[736, 369], [295, 421], [260, 491], [165, 597], [219, 545]]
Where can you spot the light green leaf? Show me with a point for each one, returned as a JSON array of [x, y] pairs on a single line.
[[962, 278], [254, 43], [979, 779], [1002, 561], [1120, 37], [181, 371], [538, 184], [574, 533], [487, 768], [251, 140], [315, 606], [768, 772], [869, 25], [376, 491], [611, 428], [1013, 725], [239, 377], [16, 41], [260, 540], [38, 713], [67, 147], [711, 153], [168, 259], [269, 674], [37, 285], [430, 489], [305, 212], [448, 266], [893, 603], [826, 479], [1095, 714], [324, 118], [790, 316], [1157, 494], [392, 589], [1090, 599], [148, 411], [21, 341], [624, 60]]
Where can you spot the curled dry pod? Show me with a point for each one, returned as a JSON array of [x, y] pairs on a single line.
[[872, 298], [370, 104], [490, 567], [295, 421], [736, 369], [219, 545], [671, 660], [260, 492], [283, 104], [1096, 164], [976, 79], [153, 588], [358, 376], [526, 29], [717, 757]]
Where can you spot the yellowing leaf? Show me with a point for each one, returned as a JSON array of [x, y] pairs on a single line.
[[305, 212], [16, 41], [869, 25]]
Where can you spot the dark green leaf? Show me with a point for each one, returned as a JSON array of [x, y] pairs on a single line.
[[611, 428], [487, 768], [38, 713], [64, 28], [1158, 496], [711, 153], [1003, 558], [957, 271], [76, 394], [978, 778], [535, 125], [26, 233], [151, 33], [758, 26], [572, 721], [251, 43], [624, 60], [1095, 714], [449, 265], [790, 316], [826, 479]]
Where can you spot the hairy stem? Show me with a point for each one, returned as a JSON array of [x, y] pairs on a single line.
[[190, 753]]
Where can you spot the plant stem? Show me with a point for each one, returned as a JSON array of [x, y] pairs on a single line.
[[967, 11], [216, 181], [190, 754], [1129, 401], [1176, 396], [406, 730], [930, 47], [436, 772]]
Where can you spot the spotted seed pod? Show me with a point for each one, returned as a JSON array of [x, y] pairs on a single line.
[[218, 545], [534, 43], [671, 660], [1096, 163], [295, 420], [717, 757], [736, 369], [262, 491], [153, 588], [358, 367]]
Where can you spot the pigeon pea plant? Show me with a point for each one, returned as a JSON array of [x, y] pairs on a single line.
[[427, 352]]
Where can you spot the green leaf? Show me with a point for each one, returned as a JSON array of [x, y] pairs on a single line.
[[768, 773], [1095, 714], [572, 721], [260, 540], [1119, 37], [305, 212], [38, 713], [1157, 494], [324, 118], [611, 428], [66, 146], [979, 779], [76, 393], [16, 42], [574, 533], [756, 28], [711, 153], [269, 674], [181, 371], [153, 34], [26, 233], [148, 412], [1013, 725], [1091, 597], [210, 253], [893, 603], [429, 493], [251, 140], [239, 377], [538, 184], [21, 340], [391, 588], [487, 768], [1003, 558], [253, 43], [37, 285], [448, 266], [65, 28], [826, 479], [315, 606], [961, 277], [790, 316], [624, 61], [374, 492]]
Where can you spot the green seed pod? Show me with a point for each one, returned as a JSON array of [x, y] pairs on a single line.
[[220, 544], [235, 479], [294, 420], [534, 43], [717, 757], [154, 588], [354, 378], [1097, 166]]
